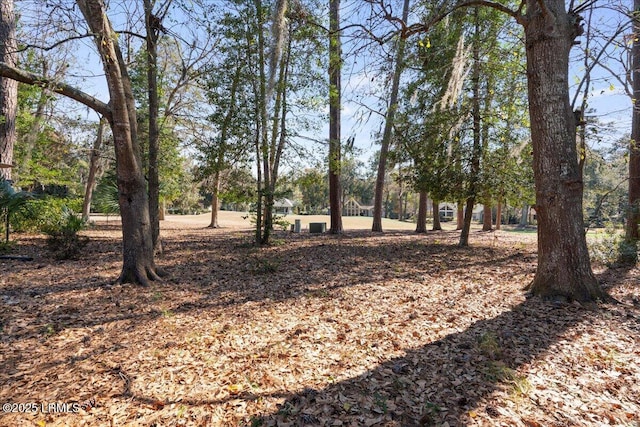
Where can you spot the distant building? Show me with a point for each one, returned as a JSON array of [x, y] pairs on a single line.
[[353, 208], [283, 207]]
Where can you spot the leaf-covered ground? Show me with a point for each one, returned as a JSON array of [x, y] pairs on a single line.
[[363, 329]]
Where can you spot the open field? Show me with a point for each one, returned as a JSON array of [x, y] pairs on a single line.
[[240, 220], [361, 329]]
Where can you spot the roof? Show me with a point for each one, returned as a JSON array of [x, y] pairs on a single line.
[[352, 200], [283, 203]]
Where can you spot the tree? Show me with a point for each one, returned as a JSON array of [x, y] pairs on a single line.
[[564, 269], [388, 127], [8, 87], [314, 188], [335, 103], [94, 158], [633, 216], [138, 260]]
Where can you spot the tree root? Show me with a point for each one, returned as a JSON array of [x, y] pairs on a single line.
[[142, 276]]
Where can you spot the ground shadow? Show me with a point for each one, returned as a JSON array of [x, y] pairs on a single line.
[[447, 381]]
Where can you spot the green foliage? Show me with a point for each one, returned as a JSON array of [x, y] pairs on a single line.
[[47, 153], [11, 200], [605, 197], [314, 187], [608, 247], [39, 212], [63, 238], [105, 196], [11, 203]]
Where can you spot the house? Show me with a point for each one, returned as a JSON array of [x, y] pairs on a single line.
[[353, 208], [283, 207], [449, 211]]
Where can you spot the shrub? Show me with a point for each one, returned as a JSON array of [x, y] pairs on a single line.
[[610, 247], [38, 213], [63, 238]]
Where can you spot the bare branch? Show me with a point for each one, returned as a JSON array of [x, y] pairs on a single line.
[[57, 87], [516, 14], [56, 44], [597, 61]]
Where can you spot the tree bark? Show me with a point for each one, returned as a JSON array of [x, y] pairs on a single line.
[[524, 215], [8, 87], [388, 128], [459, 215], [138, 258], [633, 215], [215, 191], [487, 217], [335, 94], [421, 222], [564, 269], [93, 169], [436, 215], [153, 33]]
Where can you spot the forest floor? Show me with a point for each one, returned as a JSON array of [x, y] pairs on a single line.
[[361, 329]]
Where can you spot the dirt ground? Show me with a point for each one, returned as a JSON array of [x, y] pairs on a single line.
[[361, 329]]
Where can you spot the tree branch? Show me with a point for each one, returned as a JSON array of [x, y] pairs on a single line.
[[57, 87], [56, 44], [516, 14]]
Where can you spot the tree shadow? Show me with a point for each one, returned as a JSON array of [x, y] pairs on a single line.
[[450, 380]]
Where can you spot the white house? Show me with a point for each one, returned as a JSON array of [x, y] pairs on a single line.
[[353, 208], [283, 206]]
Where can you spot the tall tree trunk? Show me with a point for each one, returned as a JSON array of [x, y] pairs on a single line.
[[335, 95], [499, 214], [215, 192], [633, 216], [388, 128], [262, 155], [459, 214], [222, 149], [153, 33], [278, 138], [524, 216], [487, 217], [8, 87], [476, 154], [564, 269], [138, 263], [94, 159], [436, 215], [421, 222]]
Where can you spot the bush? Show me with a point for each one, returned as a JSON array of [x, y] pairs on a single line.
[[611, 247], [63, 239], [38, 213]]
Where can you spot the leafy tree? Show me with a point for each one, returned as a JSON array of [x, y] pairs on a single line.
[[388, 126], [313, 185], [550, 29]]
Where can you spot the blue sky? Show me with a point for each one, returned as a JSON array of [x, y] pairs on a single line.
[[607, 98]]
